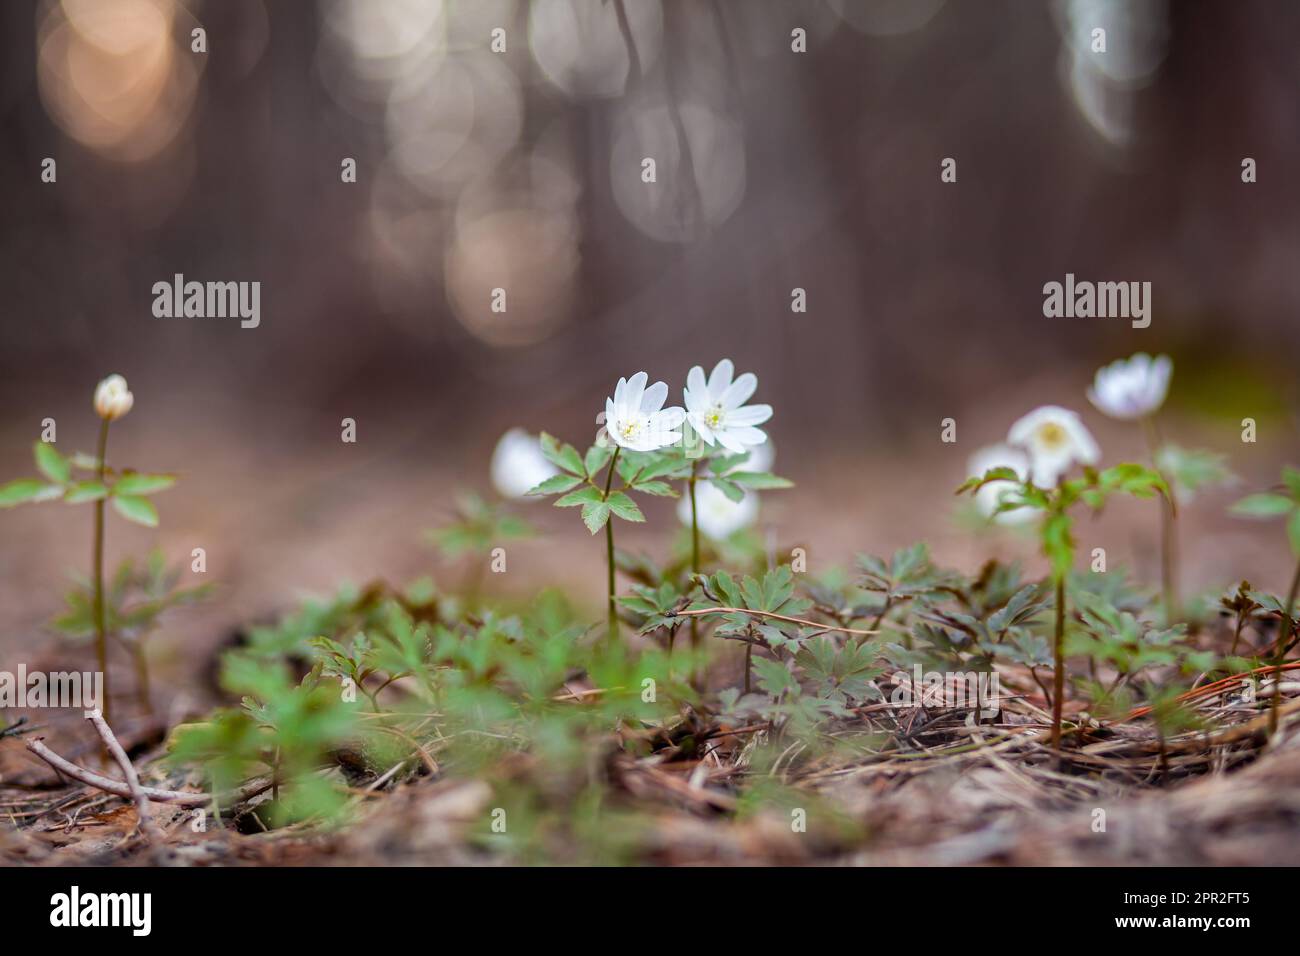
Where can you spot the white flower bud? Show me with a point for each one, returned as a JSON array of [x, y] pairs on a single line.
[[112, 398]]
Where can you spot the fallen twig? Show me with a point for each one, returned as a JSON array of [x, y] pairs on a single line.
[[152, 832], [780, 617], [109, 785]]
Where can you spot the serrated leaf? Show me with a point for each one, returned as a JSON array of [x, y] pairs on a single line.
[[624, 507], [565, 457], [597, 457], [139, 510], [594, 515], [583, 496], [50, 463], [555, 485], [658, 488]]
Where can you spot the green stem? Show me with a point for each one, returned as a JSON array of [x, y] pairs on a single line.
[[1168, 541], [1058, 657], [97, 559], [612, 630], [695, 552], [1283, 635]]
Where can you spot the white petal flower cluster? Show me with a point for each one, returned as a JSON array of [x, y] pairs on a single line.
[[112, 398], [1132, 388]]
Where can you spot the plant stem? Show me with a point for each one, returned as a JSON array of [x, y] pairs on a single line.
[[695, 560], [97, 559], [612, 630], [1168, 541], [1283, 634], [142, 690], [1058, 655]]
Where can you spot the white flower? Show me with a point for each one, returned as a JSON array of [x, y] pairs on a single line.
[[1055, 439], [719, 517], [990, 495], [112, 399], [636, 419], [1132, 388], [716, 408], [518, 464]]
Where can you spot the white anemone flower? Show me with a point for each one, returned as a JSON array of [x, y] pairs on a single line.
[[990, 495], [636, 419], [719, 516], [716, 408], [1132, 388], [112, 398], [518, 464], [1055, 439]]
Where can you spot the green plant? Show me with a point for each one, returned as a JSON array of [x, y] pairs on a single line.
[[81, 479], [135, 600], [1056, 534], [1283, 502]]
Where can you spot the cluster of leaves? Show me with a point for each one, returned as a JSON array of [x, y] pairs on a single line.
[[76, 479], [1093, 489], [388, 682], [135, 598], [1284, 502], [479, 525], [649, 473]]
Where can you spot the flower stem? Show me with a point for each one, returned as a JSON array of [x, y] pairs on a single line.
[[695, 554], [1283, 636], [612, 630], [1058, 657], [97, 559], [1168, 540]]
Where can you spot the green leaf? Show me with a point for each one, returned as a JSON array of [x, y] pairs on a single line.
[[1263, 505], [1058, 544], [659, 488], [594, 515], [555, 485], [976, 482], [729, 488], [774, 678], [1293, 531], [598, 457], [759, 480], [82, 491], [624, 507], [583, 496], [565, 457], [50, 463], [1291, 478], [134, 483], [26, 489], [139, 510], [1193, 469]]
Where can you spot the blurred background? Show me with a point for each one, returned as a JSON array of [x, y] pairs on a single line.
[[522, 169]]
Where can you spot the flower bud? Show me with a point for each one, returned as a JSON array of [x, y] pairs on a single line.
[[112, 398]]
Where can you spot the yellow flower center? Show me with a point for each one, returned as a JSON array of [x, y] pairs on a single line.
[[1052, 435], [714, 418], [629, 429]]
